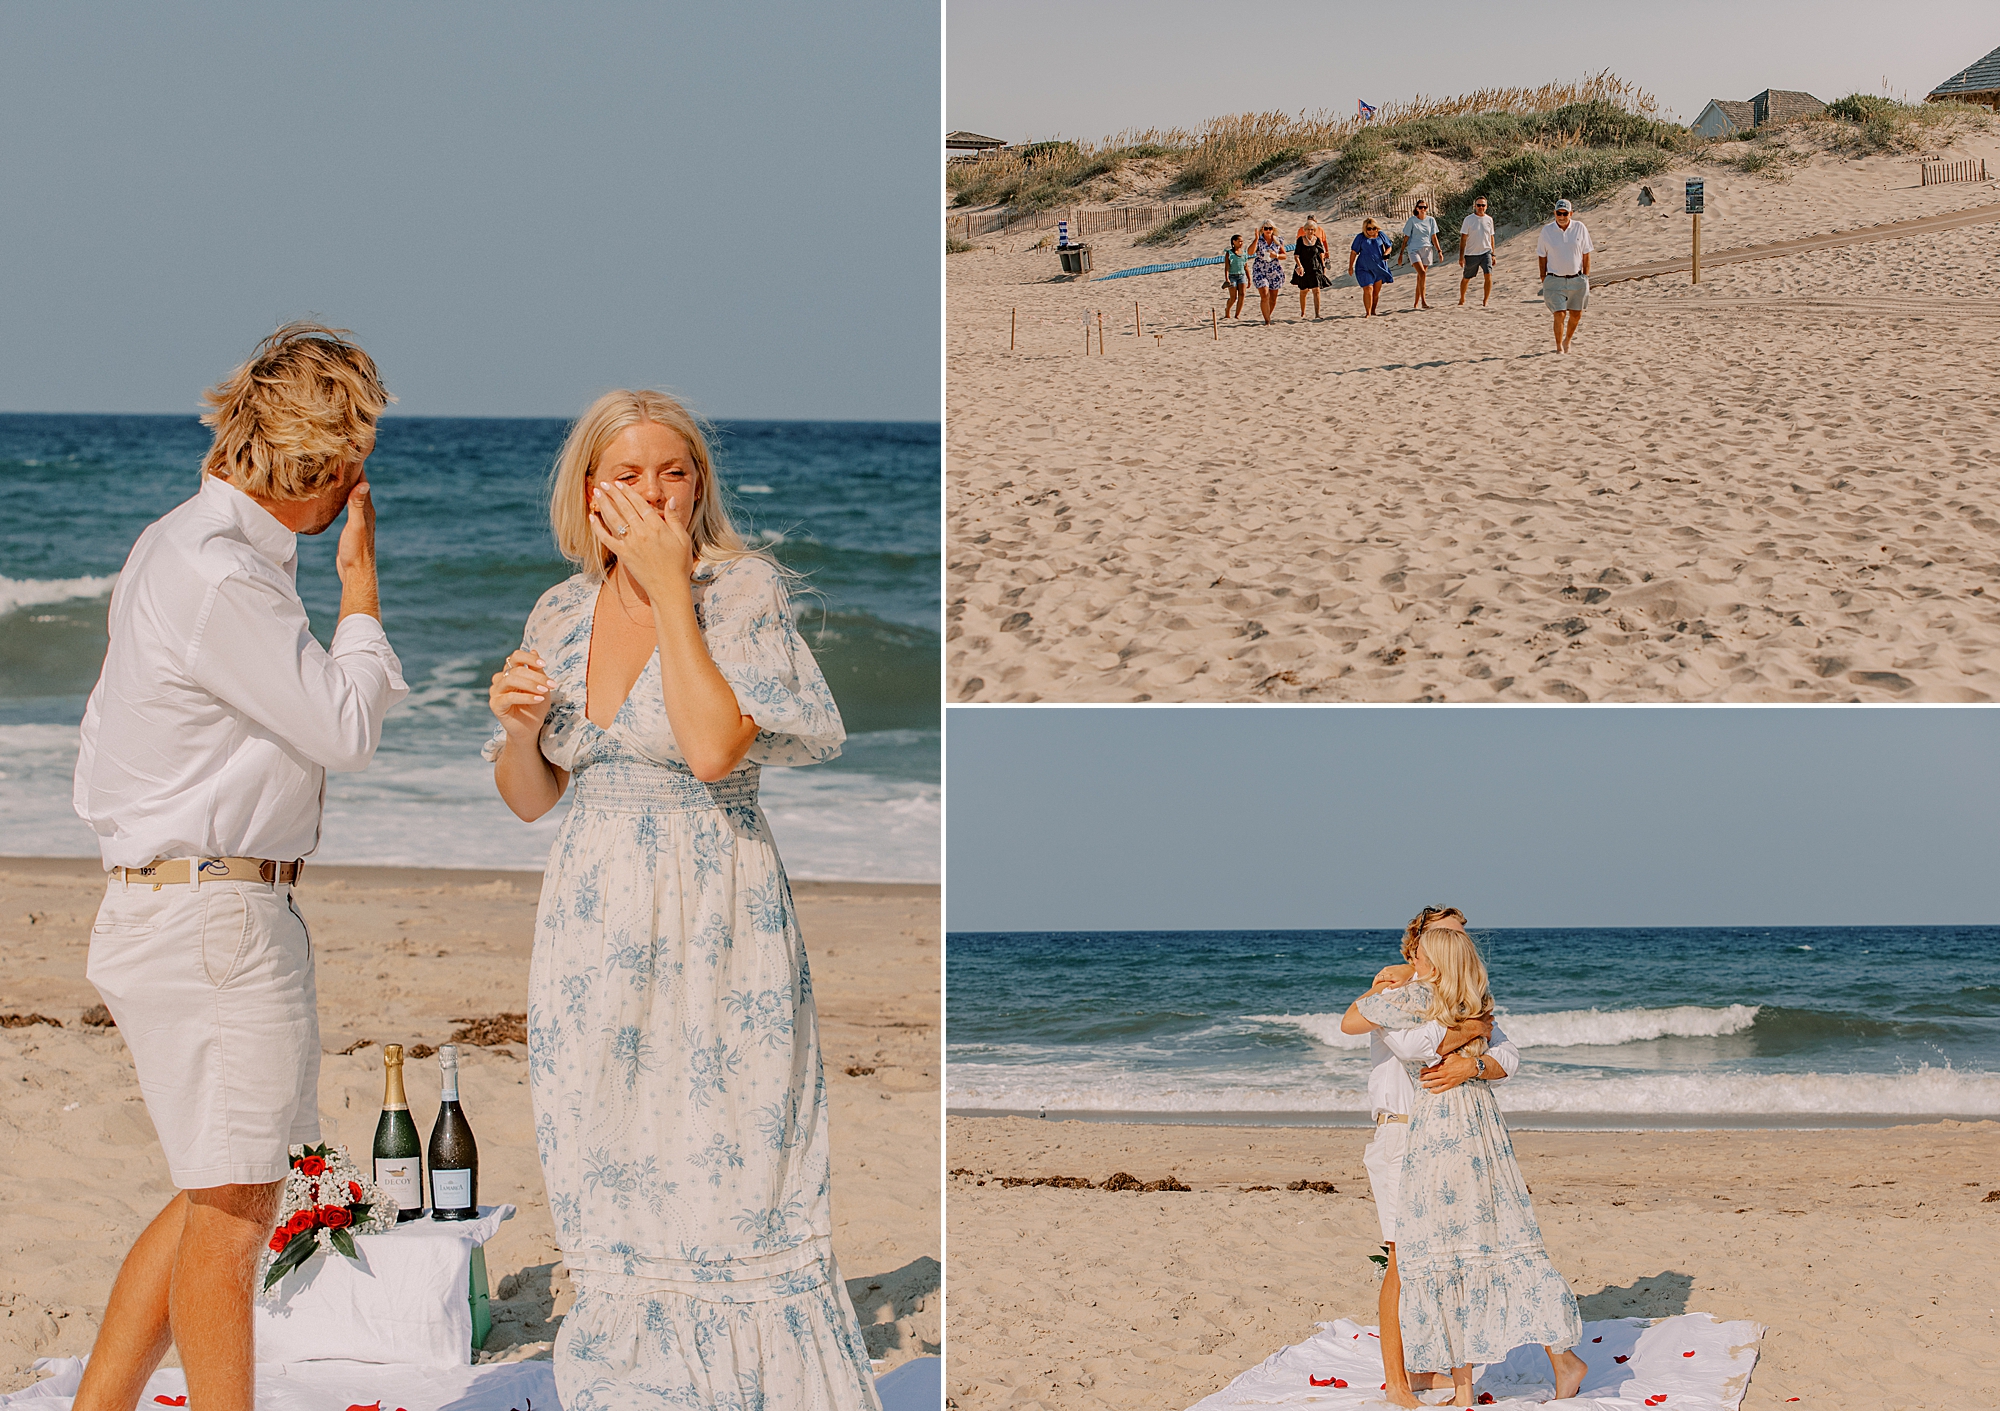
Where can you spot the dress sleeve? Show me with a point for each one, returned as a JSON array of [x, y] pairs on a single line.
[[756, 645], [1399, 1008]]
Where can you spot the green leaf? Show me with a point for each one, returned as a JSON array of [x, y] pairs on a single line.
[[295, 1254], [343, 1240]]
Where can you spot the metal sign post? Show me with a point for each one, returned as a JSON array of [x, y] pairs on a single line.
[[1694, 204]]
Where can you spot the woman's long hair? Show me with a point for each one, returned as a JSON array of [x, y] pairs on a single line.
[[715, 537], [1429, 916], [1461, 990]]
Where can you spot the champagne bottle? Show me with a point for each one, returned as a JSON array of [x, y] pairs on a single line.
[[454, 1155], [399, 1167]]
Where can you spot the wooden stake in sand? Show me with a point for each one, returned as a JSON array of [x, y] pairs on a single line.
[[1013, 316], [1214, 328], [1137, 331], [1100, 334], [1695, 201]]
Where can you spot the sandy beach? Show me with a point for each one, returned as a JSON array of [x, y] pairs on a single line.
[[1775, 486], [402, 954], [1845, 1244]]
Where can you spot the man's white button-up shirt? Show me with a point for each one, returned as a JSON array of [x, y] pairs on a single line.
[[1389, 1087], [217, 715]]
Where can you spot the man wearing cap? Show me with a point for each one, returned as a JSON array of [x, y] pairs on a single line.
[[202, 768], [1475, 251], [1564, 252]]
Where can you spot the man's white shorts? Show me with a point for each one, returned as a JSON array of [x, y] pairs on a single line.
[[212, 989], [1384, 1160]]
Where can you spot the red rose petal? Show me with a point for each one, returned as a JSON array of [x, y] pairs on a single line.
[[1311, 1380], [1338, 1382], [171, 1400], [1687, 1354], [1618, 1359], [1597, 1339]]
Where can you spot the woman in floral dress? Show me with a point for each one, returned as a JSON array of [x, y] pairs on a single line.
[[1477, 1281], [1267, 267], [674, 1063]]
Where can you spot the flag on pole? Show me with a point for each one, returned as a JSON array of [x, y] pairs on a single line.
[[1364, 111]]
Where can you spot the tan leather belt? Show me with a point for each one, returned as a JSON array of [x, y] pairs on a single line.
[[1382, 1117], [174, 873]]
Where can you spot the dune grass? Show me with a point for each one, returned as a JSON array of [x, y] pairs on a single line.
[[1226, 153]]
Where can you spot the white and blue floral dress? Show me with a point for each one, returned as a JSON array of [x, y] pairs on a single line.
[[1477, 1281], [674, 1061]]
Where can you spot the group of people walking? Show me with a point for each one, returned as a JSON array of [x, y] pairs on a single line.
[[673, 1053], [1268, 264], [1468, 1279]]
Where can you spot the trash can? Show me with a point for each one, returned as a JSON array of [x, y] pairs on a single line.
[[1075, 259]]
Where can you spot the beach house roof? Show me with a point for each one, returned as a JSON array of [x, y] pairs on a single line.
[[1783, 105], [971, 142], [1723, 116], [1977, 83]]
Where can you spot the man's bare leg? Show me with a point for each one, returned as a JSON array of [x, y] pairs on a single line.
[[1559, 332], [1569, 335], [1488, 295], [1465, 284], [1569, 1370], [1398, 1379], [214, 1271], [135, 1334]]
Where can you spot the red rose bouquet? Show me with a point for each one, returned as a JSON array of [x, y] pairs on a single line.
[[328, 1200]]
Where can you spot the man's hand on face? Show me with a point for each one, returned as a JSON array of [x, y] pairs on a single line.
[[1390, 976], [356, 550], [1442, 1077]]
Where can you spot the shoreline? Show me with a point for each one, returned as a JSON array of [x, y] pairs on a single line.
[[1521, 1122], [395, 875]]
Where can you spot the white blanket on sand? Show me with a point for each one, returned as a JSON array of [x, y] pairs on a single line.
[[1688, 1363], [374, 1386]]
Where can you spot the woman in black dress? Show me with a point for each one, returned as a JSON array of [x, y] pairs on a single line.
[[1310, 271]]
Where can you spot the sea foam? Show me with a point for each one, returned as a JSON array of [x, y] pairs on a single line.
[[1564, 1028], [18, 593]]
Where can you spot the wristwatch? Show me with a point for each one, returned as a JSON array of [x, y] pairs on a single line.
[[1479, 1065]]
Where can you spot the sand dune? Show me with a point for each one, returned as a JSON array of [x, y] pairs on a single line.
[[1775, 487], [402, 953], [1845, 1244]]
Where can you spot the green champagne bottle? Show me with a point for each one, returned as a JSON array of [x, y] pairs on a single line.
[[399, 1168], [454, 1155]]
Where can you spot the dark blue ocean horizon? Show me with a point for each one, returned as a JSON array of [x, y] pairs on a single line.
[[1755, 1023]]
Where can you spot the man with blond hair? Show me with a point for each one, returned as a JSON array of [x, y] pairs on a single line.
[[202, 768]]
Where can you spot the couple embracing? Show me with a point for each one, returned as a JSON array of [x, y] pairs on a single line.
[[674, 1061], [1468, 1279]]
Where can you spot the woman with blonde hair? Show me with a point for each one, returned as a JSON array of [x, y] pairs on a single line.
[[1476, 1280], [674, 1062]]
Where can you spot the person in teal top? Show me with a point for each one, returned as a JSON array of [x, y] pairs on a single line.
[[1235, 277], [1367, 261]]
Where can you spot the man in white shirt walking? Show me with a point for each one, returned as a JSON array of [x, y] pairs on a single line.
[[1475, 251], [1391, 1095], [202, 769], [1563, 249]]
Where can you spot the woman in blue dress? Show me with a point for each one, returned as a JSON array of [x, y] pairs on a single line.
[[1267, 267], [1477, 1280], [674, 1063], [1368, 262]]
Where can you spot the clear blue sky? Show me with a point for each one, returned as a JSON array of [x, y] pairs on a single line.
[[514, 205], [1259, 817], [1044, 68]]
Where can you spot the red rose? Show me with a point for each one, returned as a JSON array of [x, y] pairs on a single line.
[[279, 1241], [354, 1189], [300, 1222], [334, 1217], [312, 1165]]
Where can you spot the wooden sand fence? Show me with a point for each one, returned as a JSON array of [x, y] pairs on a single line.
[[1938, 173], [1084, 221]]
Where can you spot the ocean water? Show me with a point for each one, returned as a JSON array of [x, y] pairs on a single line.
[[1641, 1027], [465, 550]]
